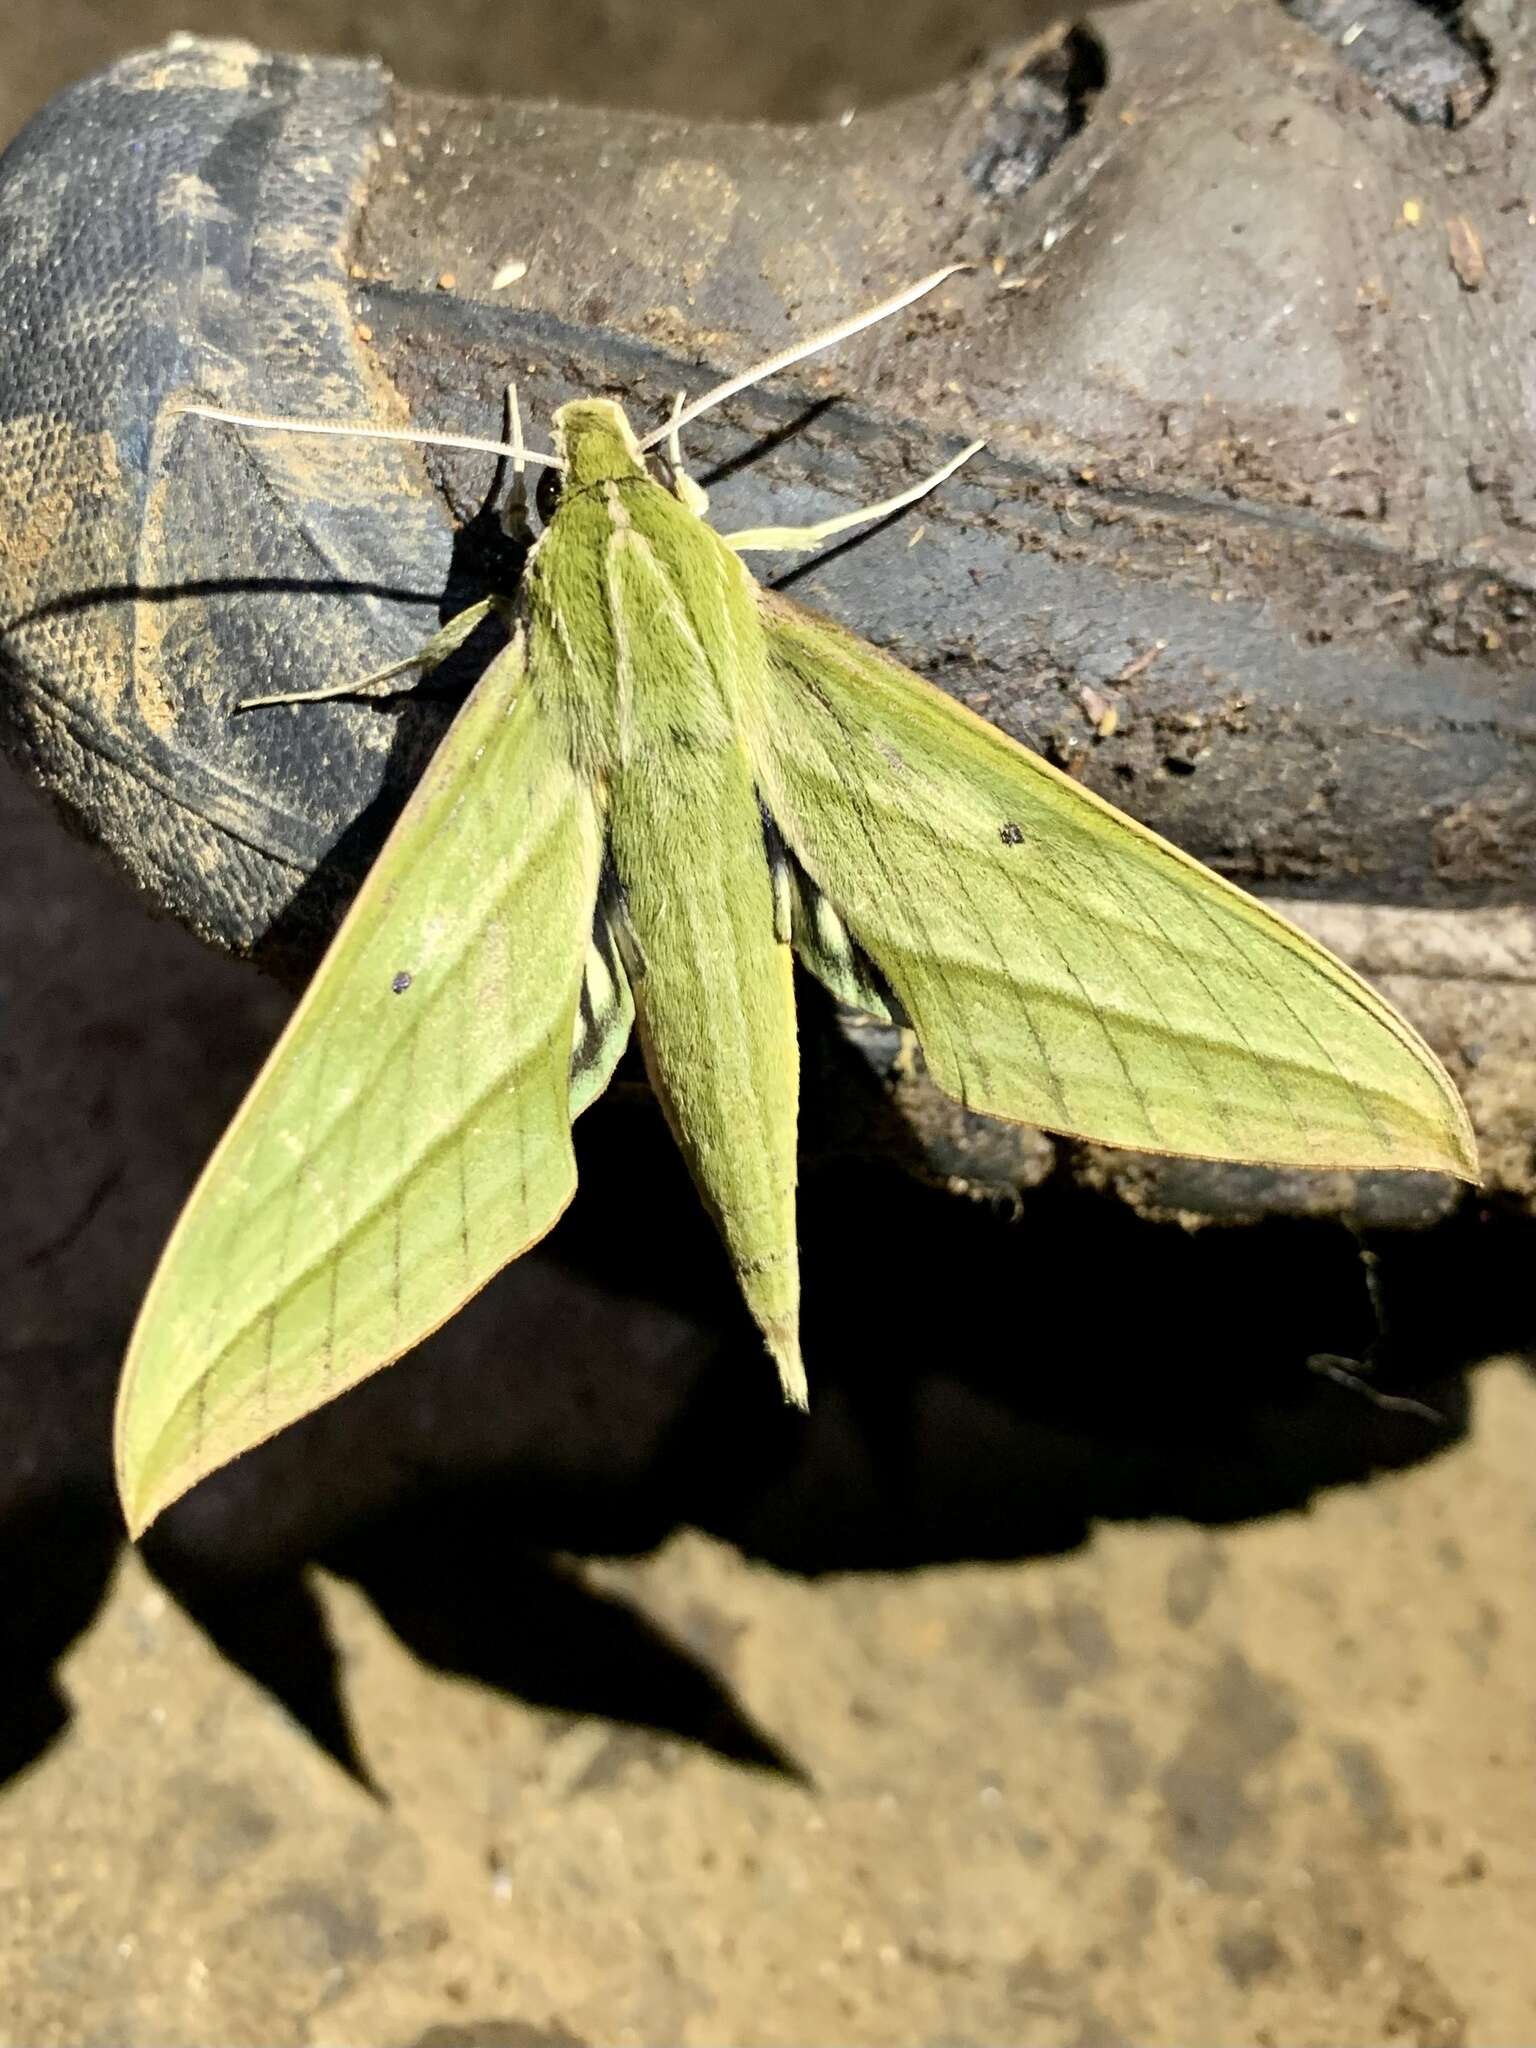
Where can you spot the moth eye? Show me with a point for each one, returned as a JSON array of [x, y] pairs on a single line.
[[547, 496]]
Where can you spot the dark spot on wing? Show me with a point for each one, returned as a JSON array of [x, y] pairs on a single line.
[[401, 983], [1010, 834]]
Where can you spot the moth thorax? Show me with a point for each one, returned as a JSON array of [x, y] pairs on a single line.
[[597, 442]]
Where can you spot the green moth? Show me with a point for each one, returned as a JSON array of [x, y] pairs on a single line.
[[668, 785]]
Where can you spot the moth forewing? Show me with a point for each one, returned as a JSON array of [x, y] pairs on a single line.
[[410, 1132], [1062, 965]]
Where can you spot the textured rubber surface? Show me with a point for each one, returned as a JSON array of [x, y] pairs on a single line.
[[178, 228]]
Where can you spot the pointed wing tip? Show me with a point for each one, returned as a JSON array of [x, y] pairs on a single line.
[[1454, 1162], [1468, 1167], [784, 1347], [1471, 1167], [128, 1485], [1456, 1152], [139, 1509], [146, 1484], [1448, 1149], [141, 1497]]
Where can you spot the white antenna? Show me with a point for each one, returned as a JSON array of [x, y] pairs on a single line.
[[361, 430], [799, 351]]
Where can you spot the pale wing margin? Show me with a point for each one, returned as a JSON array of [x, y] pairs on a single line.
[[410, 1133], [1062, 965]]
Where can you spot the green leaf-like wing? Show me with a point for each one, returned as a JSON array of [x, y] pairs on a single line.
[[1062, 965], [410, 1133]]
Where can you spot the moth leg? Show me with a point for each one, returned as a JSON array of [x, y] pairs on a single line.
[[767, 538], [515, 523], [448, 640], [686, 491]]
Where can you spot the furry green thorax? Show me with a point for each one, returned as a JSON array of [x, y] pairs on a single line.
[[597, 443]]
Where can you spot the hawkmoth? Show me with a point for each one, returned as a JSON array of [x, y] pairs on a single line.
[[667, 787]]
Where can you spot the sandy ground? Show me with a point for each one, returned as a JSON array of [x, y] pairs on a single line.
[[1271, 1784], [498, 1709]]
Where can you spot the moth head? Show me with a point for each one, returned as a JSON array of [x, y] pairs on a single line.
[[597, 443]]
